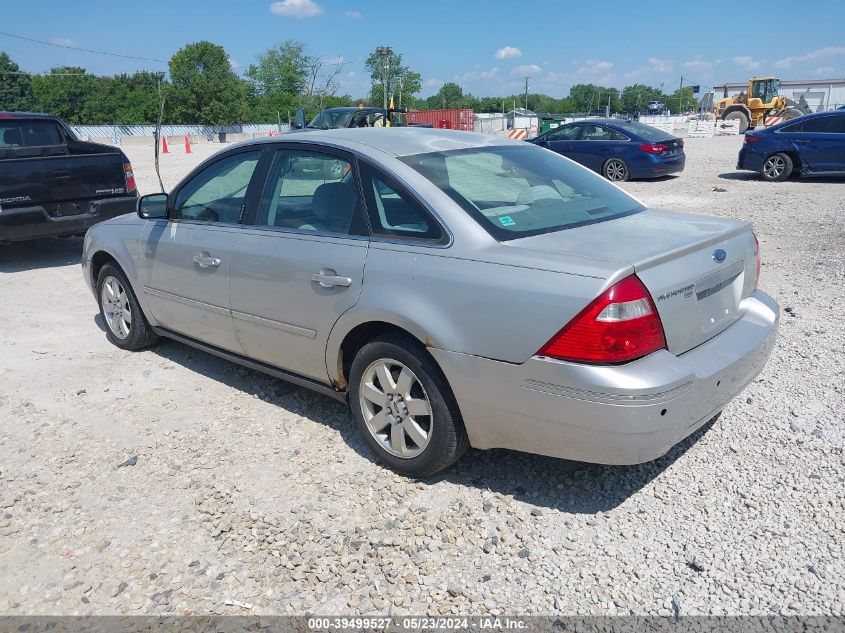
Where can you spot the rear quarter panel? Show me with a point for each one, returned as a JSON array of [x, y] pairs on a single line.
[[499, 311]]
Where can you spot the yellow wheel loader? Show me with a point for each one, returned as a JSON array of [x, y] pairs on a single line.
[[762, 100]]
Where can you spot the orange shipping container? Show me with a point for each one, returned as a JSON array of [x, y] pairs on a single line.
[[448, 118]]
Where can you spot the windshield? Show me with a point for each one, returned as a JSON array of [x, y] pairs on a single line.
[[327, 120], [524, 190]]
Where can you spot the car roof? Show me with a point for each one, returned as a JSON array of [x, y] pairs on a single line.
[[804, 117], [26, 115], [397, 141], [351, 108]]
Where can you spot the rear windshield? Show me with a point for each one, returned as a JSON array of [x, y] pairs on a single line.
[[17, 133], [517, 191], [645, 132]]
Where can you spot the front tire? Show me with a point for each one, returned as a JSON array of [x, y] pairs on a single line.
[[743, 120], [404, 407], [615, 170], [776, 168], [126, 325]]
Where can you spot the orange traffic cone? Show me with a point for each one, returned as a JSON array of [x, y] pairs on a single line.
[[187, 144], [164, 149]]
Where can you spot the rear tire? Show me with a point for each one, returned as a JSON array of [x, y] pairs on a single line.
[[776, 168], [615, 170], [126, 325], [743, 120], [419, 439]]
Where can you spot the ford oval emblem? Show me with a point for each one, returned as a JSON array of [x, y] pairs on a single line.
[[719, 255]]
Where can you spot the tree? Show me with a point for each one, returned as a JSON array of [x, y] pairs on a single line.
[[15, 89], [450, 95], [281, 70], [681, 100], [399, 80], [66, 91], [635, 97], [203, 89]]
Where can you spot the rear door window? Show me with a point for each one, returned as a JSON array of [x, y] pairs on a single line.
[[597, 133], [313, 192], [825, 125], [29, 134]]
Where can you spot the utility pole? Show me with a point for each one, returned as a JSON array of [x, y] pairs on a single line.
[[526, 91], [384, 52], [681, 96]]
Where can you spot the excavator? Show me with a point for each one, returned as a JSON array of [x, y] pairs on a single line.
[[762, 100]]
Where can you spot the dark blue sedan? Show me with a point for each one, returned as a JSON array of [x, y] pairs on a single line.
[[617, 149], [811, 145]]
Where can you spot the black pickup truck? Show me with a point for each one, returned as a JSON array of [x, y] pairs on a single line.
[[51, 183]]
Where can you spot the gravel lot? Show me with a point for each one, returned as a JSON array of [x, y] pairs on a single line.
[[169, 481]]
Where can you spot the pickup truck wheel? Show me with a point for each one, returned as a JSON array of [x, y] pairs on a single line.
[[404, 407], [126, 325], [776, 167]]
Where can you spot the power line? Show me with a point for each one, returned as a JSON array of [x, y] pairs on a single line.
[[84, 50]]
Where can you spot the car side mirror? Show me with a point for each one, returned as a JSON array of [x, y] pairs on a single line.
[[298, 120], [152, 206]]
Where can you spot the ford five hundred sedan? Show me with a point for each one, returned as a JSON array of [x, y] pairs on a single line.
[[455, 289]]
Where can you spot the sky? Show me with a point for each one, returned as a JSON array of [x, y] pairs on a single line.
[[487, 47]]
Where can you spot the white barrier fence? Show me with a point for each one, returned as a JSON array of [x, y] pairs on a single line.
[[706, 129]]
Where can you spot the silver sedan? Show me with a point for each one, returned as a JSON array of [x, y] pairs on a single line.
[[455, 289]]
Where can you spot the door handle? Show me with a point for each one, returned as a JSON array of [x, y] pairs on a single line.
[[801, 140], [204, 261], [328, 279]]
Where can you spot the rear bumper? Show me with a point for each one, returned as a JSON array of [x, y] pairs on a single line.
[[749, 160], [624, 414], [26, 223], [656, 166]]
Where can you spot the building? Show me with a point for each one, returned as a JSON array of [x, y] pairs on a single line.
[[820, 94], [522, 119]]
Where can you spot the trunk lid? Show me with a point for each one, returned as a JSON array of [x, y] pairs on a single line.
[[697, 268]]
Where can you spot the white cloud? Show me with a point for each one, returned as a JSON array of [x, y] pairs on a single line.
[[596, 69], [433, 83], [527, 69], [63, 41], [700, 66], [824, 70], [654, 65], [507, 52], [333, 61], [477, 75], [353, 15], [234, 63], [747, 62], [822, 53], [351, 74], [298, 9]]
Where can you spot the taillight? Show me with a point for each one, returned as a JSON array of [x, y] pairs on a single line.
[[759, 263], [130, 177], [619, 325], [654, 149], [751, 139], [681, 143]]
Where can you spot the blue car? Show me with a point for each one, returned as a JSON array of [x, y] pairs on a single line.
[[617, 149], [811, 145]]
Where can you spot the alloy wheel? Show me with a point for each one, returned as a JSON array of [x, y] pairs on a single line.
[[616, 170], [116, 307], [396, 408], [774, 166]]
